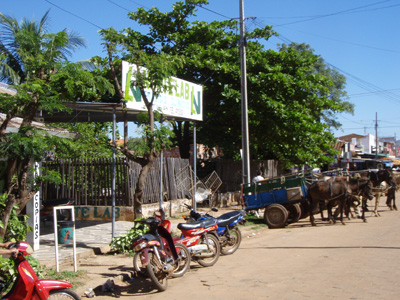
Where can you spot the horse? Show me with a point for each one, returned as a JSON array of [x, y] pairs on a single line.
[[391, 193], [378, 179], [357, 187], [329, 194]]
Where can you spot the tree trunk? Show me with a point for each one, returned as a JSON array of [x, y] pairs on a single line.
[[182, 134], [17, 172], [139, 190]]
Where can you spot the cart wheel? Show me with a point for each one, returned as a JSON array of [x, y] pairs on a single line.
[[304, 209], [294, 211], [276, 216]]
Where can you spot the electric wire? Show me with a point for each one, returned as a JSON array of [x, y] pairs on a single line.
[[372, 89], [75, 15], [333, 14]]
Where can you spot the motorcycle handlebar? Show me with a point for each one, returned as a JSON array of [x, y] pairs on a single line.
[[188, 206], [150, 221]]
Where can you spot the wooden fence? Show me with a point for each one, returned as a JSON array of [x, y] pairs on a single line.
[[89, 182], [230, 172]]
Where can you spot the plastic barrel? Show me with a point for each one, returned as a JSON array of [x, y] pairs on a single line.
[[65, 232]]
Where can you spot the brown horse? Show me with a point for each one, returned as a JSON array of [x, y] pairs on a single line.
[[327, 194], [358, 187], [378, 179]]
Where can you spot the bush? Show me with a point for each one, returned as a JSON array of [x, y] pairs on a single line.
[[123, 243], [17, 229]]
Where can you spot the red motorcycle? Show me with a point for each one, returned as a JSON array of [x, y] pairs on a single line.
[[201, 238], [46, 213], [27, 286], [158, 254]]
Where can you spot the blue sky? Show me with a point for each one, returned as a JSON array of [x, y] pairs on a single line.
[[358, 37]]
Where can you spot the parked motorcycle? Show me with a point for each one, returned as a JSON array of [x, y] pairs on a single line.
[[201, 238], [228, 231], [159, 255], [27, 286], [46, 213]]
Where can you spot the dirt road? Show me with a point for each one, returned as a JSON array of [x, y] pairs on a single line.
[[356, 261]]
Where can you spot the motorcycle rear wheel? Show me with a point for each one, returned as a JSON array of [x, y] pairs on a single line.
[[156, 274], [183, 263], [63, 294], [232, 242], [215, 248]]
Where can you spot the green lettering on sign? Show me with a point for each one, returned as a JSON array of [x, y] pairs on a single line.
[[95, 213], [195, 107], [128, 84], [107, 213]]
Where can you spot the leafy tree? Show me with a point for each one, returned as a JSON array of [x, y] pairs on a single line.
[[91, 140], [34, 61], [155, 129], [293, 95]]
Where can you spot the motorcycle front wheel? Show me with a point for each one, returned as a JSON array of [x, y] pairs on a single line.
[[156, 274], [63, 294], [137, 265], [232, 242], [213, 252], [183, 263]]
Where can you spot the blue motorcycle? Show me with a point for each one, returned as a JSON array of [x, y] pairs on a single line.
[[228, 231]]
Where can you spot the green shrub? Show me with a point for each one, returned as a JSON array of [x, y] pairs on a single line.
[[17, 229], [123, 243]]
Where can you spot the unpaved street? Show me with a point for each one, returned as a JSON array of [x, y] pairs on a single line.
[[356, 261]]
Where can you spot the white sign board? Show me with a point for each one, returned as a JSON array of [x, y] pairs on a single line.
[[183, 100], [33, 210]]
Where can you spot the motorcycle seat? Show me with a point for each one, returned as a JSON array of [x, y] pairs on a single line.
[[198, 224], [59, 202], [228, 218]]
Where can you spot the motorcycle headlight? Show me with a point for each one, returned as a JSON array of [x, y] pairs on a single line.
[[140, 246]]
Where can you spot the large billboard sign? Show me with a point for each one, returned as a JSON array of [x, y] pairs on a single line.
[[182, 100]]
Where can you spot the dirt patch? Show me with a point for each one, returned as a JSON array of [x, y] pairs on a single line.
[[119, 268]]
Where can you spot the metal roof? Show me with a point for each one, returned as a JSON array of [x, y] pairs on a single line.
[[94, 112], [15, 124]]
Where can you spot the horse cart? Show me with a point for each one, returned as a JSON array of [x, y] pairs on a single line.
[[283, 198]]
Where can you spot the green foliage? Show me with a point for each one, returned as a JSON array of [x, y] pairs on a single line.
[[72, 277], [123, 243], [91, 140], [18, 227], [32, 143], [34, 62], [293, 95], [17, 230], [160, 136], [254, 222], [7, 272]]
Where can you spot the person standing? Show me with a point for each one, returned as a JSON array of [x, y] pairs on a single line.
[[258, 177]]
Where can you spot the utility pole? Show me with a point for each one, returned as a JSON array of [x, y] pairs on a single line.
[[245, 121], [376, 135]]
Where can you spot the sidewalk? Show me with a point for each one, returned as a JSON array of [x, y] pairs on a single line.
[[92, 237]]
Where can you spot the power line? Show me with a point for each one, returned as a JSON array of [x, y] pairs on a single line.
[[214, 12], [120, 6], [373, 93], [83, 19], [320, 16], [333, 14]]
